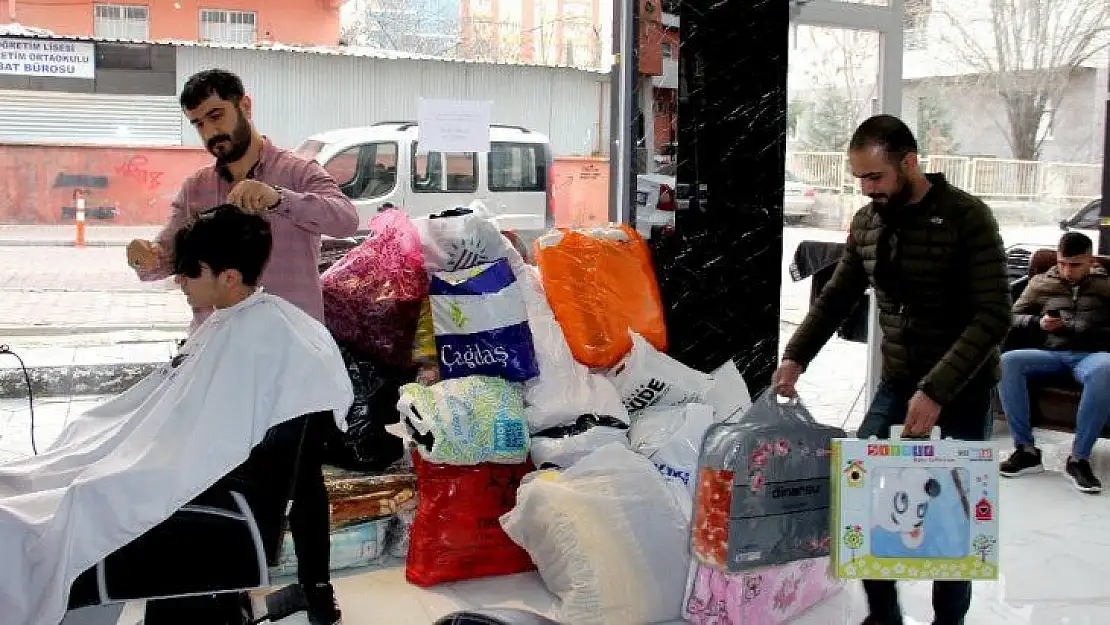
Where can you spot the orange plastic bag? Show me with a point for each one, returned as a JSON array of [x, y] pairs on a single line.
[[600, 283], [457, 532]]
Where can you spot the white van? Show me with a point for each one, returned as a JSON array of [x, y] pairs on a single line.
[[382, 165]]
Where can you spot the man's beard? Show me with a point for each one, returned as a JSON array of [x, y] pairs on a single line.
[[240, 142], [900, 198]]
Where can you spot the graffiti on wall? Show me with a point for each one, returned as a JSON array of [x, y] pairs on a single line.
[[137, 168], [124, 186]]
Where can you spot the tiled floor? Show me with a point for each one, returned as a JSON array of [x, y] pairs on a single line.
[[1055, 550]]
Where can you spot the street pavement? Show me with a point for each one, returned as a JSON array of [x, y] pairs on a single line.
[[50, 290]]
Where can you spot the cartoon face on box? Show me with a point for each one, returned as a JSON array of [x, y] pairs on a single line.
[[901, 502], [918, 512]]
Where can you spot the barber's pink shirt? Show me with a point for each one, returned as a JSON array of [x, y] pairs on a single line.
[[312, 205]]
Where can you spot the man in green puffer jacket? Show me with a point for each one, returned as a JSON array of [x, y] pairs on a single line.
[[935, 259]]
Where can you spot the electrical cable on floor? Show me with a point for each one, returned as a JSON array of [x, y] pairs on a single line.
[[4, 349]]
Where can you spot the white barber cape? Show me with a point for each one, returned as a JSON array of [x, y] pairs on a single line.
[[124, 467]]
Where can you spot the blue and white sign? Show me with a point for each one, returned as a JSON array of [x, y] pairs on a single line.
[[44, 57]]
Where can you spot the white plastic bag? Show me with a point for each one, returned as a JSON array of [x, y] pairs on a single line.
[[562, 446], [730, 395], [607, 539], [460, 238], [565, 388], [648, 377], [671, 438]]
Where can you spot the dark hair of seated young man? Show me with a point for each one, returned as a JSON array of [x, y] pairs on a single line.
[[223, 238], [1074, 244]]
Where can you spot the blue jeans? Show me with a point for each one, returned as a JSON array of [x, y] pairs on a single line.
[[966, 418], [1090, 370]]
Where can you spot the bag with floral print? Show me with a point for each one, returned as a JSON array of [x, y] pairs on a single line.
[[763, 489]]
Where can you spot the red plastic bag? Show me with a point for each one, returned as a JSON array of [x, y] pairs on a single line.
[[457, 533], [372, 296], [600, 283]]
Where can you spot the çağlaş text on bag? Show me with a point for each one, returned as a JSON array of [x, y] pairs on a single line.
[[915, 509], [457, 534], [455, 239], [481, 324], [601, 283], [467, 421], [763, 488], [372, 296]]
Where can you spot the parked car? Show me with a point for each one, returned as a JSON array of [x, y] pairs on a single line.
[[382, 166], [799, 199], [655, 204], [1019, 251]]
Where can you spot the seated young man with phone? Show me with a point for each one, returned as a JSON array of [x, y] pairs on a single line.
[[1071, 305]]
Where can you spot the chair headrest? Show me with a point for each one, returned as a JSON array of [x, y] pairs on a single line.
[[1045, 259]]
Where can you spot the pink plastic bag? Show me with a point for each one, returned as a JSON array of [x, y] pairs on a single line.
[[764, 597], [372, 296]]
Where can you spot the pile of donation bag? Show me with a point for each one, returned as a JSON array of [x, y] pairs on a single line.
[[549, 431]]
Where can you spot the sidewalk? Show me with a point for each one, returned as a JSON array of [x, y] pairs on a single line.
[[52, 290], [82, 364], [64, 235]]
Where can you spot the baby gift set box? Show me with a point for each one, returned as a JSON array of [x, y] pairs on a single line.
[[915, 509]]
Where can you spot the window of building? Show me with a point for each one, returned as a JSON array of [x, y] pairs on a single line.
[[668, 50], [433, 172], [515, 167], [123, 56], [121, 21], [223, 26]]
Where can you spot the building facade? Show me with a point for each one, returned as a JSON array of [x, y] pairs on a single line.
[[664, 39], [567, 33], [293, 22]]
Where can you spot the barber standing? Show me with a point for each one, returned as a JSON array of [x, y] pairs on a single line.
[[935, 258], [301, 202]]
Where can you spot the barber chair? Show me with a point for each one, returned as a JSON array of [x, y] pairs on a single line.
[[196, 566]]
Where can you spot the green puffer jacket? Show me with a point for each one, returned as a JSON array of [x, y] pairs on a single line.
[[1084, 308], [939, 271]]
